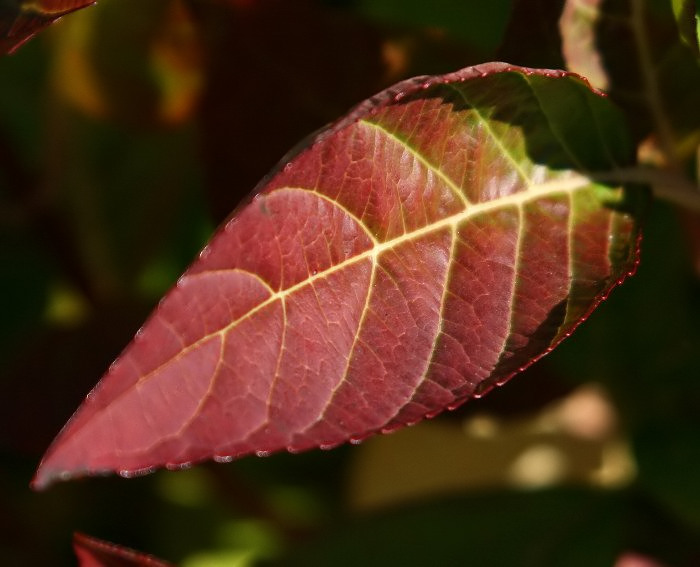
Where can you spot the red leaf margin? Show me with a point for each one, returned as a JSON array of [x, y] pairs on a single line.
[[244, 276]]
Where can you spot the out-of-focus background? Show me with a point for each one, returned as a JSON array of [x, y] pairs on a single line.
[[130, 130]]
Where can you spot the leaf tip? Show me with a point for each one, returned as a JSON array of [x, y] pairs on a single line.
[[45, 477]]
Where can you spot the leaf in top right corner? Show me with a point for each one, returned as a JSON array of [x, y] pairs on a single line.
[[632, 49], [687, 14]]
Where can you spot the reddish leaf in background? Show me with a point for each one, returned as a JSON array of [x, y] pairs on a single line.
[[93, 552], [20, 20], [443, 236]]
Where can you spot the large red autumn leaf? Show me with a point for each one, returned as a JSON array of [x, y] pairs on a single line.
[[20, 20], [444, 235]]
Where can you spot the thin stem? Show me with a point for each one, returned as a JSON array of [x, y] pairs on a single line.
[[666, 184], [651, 85]]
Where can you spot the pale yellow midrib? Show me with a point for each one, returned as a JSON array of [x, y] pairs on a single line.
[[517, 199]]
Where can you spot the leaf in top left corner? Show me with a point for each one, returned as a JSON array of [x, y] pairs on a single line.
[[20, 20]]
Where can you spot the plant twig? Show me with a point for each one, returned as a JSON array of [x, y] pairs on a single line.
[[665, 184], [651, 86]]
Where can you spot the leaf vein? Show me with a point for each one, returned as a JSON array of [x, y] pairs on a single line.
[[454, 188], [497, 140], [578, 182]]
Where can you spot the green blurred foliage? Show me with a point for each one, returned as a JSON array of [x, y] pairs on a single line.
[[572, 527], [477, 24], [687, 13], [127, 132]]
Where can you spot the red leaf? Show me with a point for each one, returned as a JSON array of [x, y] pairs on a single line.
[[441, 237], [93, 552], [632, 559], [21, 22]]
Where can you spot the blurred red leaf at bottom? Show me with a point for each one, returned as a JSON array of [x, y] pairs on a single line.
[[92, 552], [632, 559]]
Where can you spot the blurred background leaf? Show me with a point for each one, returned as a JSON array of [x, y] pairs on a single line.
[[687, 13], [20, 20]]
